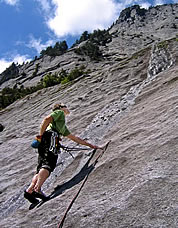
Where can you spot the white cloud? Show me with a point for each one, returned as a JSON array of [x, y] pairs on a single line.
[[158, 2], [73, 17], [16, 59], [20, 59], [37, 45], [11, 2], [145, 5], [142, 3], [4, 64], [45, 4]]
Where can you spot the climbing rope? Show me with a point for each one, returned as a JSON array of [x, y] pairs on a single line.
[[71, 149], [84, 181]]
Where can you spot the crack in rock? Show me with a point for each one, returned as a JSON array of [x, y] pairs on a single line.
[[160, 60]]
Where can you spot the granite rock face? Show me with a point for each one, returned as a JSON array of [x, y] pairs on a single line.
[[135, 29], [132, 102]]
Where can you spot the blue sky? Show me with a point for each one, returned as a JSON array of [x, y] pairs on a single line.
[[28, 26]]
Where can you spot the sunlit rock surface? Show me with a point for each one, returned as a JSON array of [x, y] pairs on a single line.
[[132, 102]]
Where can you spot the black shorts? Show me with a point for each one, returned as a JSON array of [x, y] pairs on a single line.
[[47, 158]]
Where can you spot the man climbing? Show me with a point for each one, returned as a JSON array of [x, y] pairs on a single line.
[[52, 127]]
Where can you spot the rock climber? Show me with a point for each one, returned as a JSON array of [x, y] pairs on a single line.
[[52, 128]]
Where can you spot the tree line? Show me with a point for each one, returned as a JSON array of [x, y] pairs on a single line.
[[90, 48], [10, 95], [93, 41]]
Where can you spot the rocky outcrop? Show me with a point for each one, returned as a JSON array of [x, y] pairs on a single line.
[[131, 101], [135, 29], [131, 13]]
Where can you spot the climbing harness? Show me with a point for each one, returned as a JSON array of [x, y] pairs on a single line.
[[84, 181]]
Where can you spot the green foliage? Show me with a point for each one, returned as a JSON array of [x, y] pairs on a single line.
[[99, 37], [36, 70], [75, 73], [9, 95], [163, 44], [90, 49], [50, 80], [53, 79], [11, 72], [58, 49], [62, 77], [85, 36], [93, 41]]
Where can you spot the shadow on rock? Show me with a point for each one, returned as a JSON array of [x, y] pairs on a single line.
[[85, 171], [1, 127]]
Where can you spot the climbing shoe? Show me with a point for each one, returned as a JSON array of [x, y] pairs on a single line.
[[30, 197], [39, 195]]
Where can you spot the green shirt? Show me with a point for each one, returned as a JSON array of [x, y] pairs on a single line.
[[58, 123]]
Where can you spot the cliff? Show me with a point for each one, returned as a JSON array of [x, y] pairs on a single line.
[[130, 98]]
